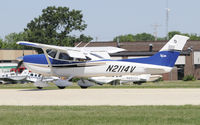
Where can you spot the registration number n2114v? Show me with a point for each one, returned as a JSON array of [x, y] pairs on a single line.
[[118, 68]]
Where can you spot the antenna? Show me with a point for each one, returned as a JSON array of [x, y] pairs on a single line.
[[155, 28], [118, 43], [167, 20], [96, 38], [78, 44], [86, 44]]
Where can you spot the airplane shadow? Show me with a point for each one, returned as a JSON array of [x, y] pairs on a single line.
[[38, 89]]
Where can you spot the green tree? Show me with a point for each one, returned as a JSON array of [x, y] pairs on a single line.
[[1, 43], [124, 38], [144, 37], [172, 33], [137, 37], [11, 39], [194, 37], [14, 37], [55, 25]]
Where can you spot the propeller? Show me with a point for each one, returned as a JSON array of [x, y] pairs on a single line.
[[20, 59], [19, 64]]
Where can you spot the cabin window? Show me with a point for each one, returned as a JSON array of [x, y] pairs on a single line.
[[88, 58], [52, 53], [65, 56]]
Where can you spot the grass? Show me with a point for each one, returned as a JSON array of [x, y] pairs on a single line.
[[100, 115], [162, 84]]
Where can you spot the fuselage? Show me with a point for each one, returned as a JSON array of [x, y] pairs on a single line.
[[61, 68]]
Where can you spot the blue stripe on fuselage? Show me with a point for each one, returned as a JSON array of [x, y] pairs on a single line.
[[163, 58]]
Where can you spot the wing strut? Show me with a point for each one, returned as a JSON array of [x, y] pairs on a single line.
[[47, 58]]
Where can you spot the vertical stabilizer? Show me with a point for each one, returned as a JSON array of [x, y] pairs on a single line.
[[176, 43]]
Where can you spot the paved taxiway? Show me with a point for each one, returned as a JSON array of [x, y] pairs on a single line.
[[100, 97]]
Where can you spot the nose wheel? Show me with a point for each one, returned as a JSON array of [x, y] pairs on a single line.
[[83, 87], [39, 87], [61, 87]]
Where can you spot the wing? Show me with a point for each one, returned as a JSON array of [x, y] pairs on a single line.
[[108, 49], [77, 52]]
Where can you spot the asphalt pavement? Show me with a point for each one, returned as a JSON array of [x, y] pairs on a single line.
[[124, 97]]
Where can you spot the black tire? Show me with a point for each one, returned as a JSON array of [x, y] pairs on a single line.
[[61, 87], [138, 83], [83, 87], [39, 87]]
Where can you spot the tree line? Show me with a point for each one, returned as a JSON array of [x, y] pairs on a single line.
[[150, 37]]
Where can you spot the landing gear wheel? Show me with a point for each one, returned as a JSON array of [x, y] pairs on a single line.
[[83, 87], [39, 87], [137, 83], [61, 87]]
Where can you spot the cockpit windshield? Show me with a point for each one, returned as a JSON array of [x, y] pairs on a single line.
[[52, 53]]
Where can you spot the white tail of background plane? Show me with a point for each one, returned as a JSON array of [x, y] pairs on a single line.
[[167, 56]]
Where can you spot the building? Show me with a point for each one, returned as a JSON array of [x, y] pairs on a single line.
[[188, 63], [8, 58]]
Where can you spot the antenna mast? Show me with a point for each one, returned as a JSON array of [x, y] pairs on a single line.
[[155, 33], [167, 20]]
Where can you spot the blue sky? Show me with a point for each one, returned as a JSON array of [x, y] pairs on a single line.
[[108, 18]]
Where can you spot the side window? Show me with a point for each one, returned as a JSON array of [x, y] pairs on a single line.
[[83, 60], [64, 56], [88, 58], [52, 53]]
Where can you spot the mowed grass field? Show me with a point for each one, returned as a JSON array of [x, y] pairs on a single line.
[[162, 84], [100, 115]]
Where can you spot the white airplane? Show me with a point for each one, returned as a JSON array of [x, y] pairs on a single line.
[[39, 80], [13, 77], [138, 79], [86, 62], [27, 76]]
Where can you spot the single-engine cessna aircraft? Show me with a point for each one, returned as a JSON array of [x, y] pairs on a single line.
[[86, 62]]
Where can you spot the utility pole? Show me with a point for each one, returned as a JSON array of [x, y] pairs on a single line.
[[167, 19], [155, 28]]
